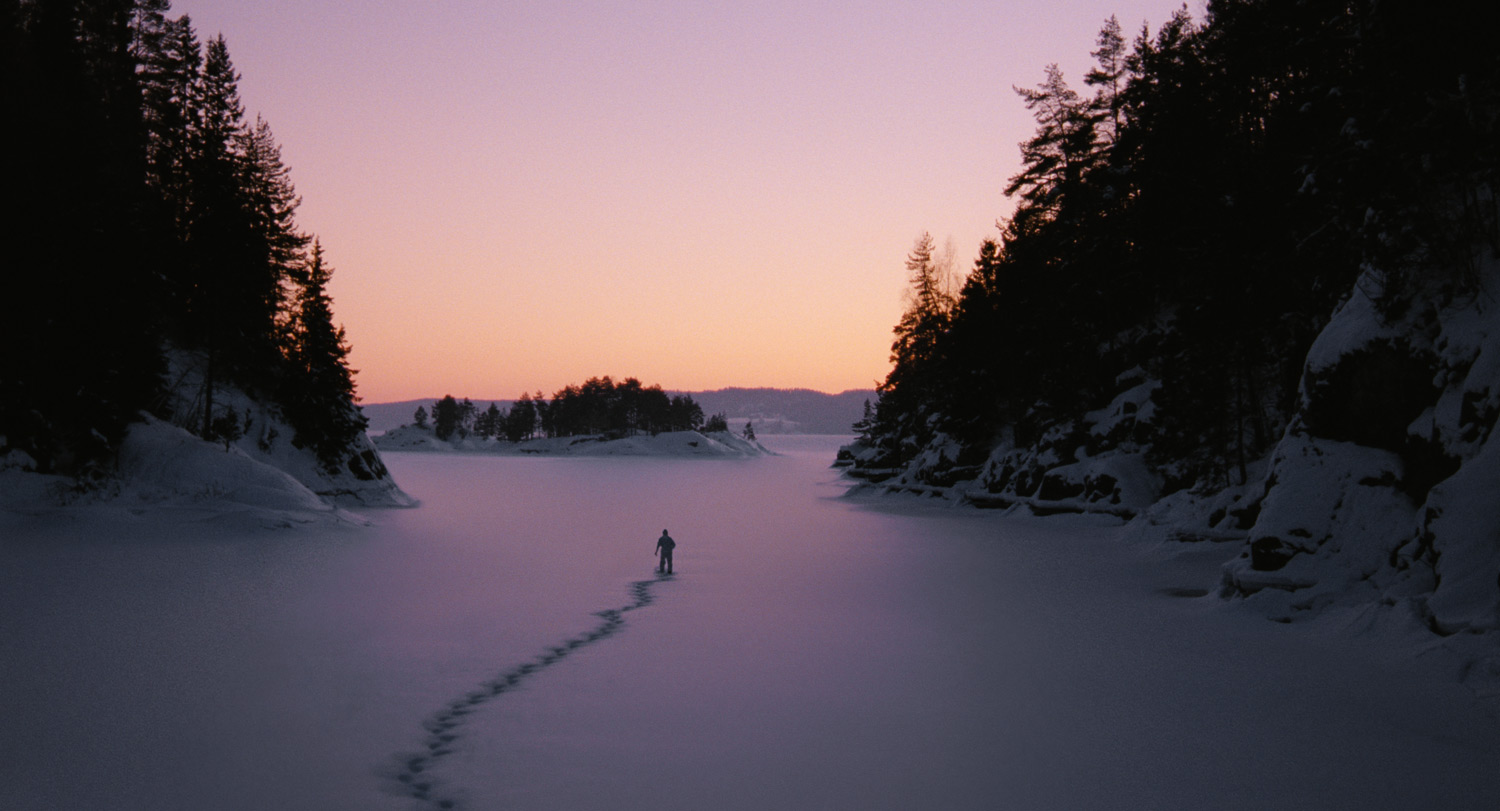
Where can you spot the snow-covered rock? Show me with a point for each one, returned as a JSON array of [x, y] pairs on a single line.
[[162, 463], [1093, 465], [1386, 486], [258, 475], [359, 479], [162, 469]]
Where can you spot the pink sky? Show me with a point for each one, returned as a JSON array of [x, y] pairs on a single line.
[[520, 195]]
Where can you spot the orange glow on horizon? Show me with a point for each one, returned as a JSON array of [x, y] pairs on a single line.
[[516, 197]]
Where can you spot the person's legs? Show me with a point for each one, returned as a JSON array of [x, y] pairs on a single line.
[[667, 558]]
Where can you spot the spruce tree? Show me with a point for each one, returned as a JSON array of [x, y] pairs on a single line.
[[318, 397], [915, 353], [520, 423], [445, 417], [467, 413], [1108, 76], [275, 244]]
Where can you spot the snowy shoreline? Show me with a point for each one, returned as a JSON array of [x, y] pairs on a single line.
[[260, 480], [868, 652]]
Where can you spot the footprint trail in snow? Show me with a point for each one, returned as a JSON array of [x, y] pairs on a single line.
[[413, 771]]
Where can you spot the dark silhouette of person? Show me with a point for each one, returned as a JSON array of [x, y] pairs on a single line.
[[664, 546]]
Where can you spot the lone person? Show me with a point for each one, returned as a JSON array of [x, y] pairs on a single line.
[[664, 546]]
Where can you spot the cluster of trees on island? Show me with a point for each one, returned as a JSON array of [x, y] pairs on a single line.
[[154, 219], [1192, 217], [598, 407]]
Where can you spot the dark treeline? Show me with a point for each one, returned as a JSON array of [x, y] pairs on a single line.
[[1193, 214], [152, 221], [599, 406]]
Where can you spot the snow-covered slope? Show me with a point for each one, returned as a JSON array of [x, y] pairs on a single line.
[[164, 469], [1383, 490], [259, 475], [1093, 465], [1386, 486], [360, 478], [672, 443]]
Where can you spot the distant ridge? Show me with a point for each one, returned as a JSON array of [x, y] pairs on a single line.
[[787, 411], [772, 411]]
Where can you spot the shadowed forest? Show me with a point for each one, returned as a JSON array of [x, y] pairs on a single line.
[[157, 258], [1190, 216]]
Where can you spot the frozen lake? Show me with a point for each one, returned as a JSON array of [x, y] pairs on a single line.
[[812, 651]]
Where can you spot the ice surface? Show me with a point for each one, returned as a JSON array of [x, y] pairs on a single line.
[[812, 651]]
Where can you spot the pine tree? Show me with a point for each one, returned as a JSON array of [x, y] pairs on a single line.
[[221, 297], [926, 315], [520, 423], [865, 424], [318, 397], [1064, 150], [171, 60], [275, 243], [1109, 75], [490, 422], [445, 417], [686, 415], [467, 412], [915, 358]]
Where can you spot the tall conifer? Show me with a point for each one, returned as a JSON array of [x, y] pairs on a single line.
[[318, 395]]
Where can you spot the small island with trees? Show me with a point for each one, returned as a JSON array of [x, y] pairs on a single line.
[[599, 418]]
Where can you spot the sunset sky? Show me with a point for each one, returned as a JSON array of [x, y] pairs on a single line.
[[520, 195]]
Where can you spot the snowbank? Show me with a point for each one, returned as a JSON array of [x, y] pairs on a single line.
[[360, 479], [1094, 465], [670, 444], [164, 463], [164, 470], [1384, 488], [259, 477]]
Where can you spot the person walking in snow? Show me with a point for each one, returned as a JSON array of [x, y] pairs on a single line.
[[664, 547]]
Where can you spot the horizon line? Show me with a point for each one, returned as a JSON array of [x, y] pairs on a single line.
[[667, 390]]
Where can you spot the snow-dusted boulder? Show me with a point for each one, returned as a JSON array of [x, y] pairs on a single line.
[[1096, 464], [1386, 485], [1331, 520]]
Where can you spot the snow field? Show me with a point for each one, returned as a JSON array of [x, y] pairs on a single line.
[[813, 651]]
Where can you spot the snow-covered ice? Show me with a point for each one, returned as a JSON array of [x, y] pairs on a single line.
[[812, 651]]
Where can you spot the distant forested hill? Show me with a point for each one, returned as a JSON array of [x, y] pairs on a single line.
[[787, 411]]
